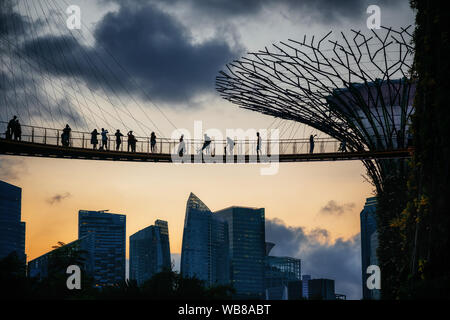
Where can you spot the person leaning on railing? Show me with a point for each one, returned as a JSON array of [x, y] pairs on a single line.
[[94, 140], [131, 141], [65, 136]]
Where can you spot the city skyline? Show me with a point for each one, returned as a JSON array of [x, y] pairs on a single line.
[[274, 228], [229, 237]]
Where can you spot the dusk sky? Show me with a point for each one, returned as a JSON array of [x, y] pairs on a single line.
[[175, 49]]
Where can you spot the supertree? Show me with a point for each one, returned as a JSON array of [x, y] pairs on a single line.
[[355, 88]]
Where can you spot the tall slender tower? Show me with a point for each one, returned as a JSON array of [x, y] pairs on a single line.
[[149, 252], [369, 241], [204, 252]]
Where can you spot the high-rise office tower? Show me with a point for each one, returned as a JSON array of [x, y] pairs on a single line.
[[109, 244], [247, 248], [149, 252], [204, 252], [368, 251], [12, 230], [165, 244]]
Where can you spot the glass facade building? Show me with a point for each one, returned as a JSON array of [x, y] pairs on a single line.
[[282, 277], [12, 230], [108, 232], [279, 271], [39, 267], [149, 252], [247, 248], [369, 243], [204, 253]]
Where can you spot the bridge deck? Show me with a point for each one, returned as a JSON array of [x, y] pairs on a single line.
[[30, 149]]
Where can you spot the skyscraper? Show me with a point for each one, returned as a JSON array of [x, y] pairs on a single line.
[[246, 234], [41, 266], [109, 244], [368, 251], [204, 252], [12, 230], [149, 252]]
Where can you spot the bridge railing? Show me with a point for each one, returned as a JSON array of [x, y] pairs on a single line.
[[79, 139]]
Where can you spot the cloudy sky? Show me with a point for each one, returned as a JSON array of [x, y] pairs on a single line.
[[151, 65]]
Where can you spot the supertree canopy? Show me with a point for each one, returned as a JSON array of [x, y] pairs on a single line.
[[355, 88]]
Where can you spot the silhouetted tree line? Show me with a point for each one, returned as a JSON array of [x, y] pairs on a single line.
[[164, 285], [414, 216]]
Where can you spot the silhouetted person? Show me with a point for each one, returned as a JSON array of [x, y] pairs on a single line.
[[17, 131], [131, 141], [311, 143], [104, 134], [65, 136], [11, 128], [258, 144], [230, 146], [119, 136], [152, 142], [94, 140], [181, 146], [206, 144]]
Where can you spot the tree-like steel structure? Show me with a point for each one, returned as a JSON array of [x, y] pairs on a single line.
[[356, 88]]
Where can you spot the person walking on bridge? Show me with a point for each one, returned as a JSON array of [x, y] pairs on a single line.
[[94, 140], [104, 134], [11, 128], [153, 142], [181, 146], [230, 146], [311, 143], [119, 136], [258, 145], [206, 144], [17, 131]]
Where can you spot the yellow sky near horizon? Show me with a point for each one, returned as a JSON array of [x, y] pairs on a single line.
[[145, 192]]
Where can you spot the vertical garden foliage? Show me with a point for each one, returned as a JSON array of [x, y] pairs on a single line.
[[424, 224]]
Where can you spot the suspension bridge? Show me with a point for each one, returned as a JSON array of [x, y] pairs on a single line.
[[47, 142], [51, 76]]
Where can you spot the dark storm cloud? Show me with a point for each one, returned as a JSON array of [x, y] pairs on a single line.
[[156, 51], [57, 198], [24, 95], [333, 208], [320, 258], [11, 22], [324, 10], [159, 51]]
